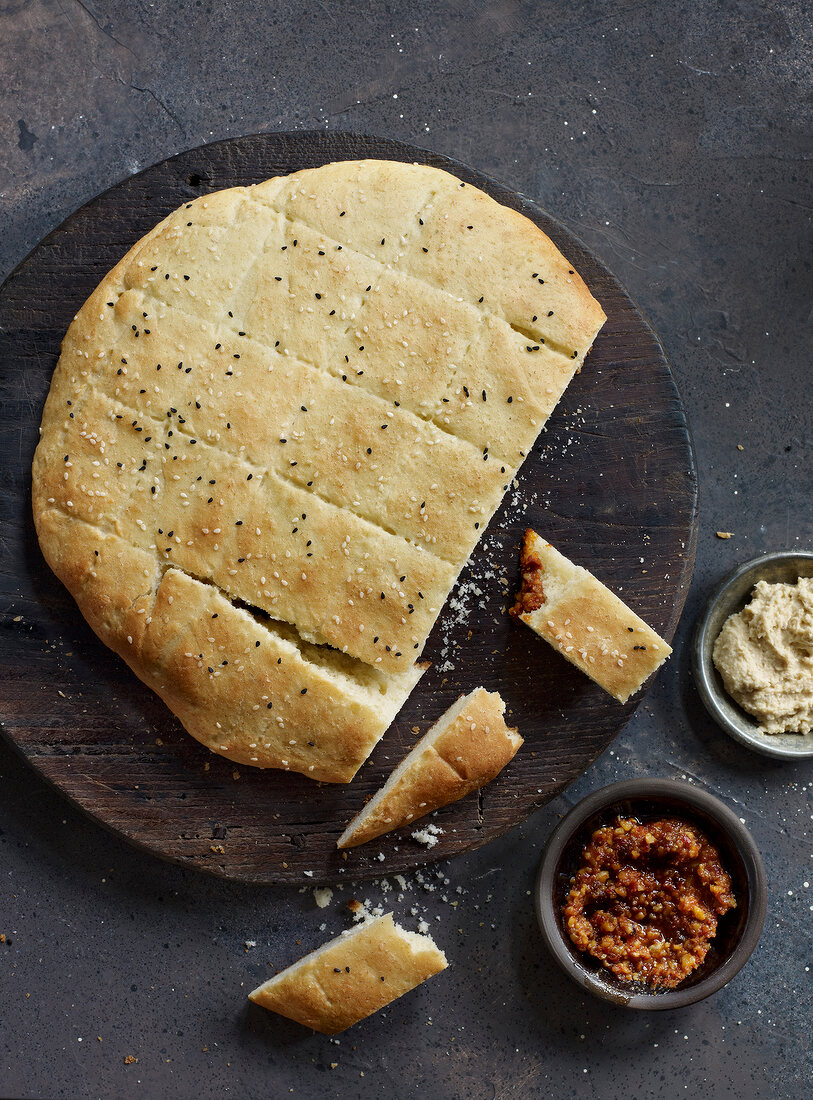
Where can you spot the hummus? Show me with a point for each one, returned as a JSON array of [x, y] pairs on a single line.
[[765, 656]]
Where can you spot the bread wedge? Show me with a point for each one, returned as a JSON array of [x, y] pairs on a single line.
[[465, 749], [584, 621], [352, 976]]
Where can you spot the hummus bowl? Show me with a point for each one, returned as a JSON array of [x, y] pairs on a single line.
[[729, 597]]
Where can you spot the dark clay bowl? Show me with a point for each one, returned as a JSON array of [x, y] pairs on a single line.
[[737, 931]]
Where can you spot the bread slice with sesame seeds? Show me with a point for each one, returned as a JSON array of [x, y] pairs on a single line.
[[465, 749], [352, 976], [584, 621], [310, 396], [245, 686]]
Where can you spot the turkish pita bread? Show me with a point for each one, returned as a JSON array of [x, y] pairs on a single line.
[[278, 428]]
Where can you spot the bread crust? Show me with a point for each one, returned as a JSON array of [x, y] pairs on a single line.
[[292, 394], [352, 977], [584, 621], [466, 748]]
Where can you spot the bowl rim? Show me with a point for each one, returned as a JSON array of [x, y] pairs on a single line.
[[706, 677], [647, 789]]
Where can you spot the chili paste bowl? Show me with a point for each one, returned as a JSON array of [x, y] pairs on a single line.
[[738, 930]]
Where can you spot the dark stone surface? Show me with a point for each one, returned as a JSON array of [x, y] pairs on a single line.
[[692, 182]]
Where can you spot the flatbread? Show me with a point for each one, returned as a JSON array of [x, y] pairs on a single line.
[[308, 396], [465, 749], [352, 976], [584, 621]]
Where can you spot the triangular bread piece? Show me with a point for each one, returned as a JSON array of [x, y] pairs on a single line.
[[465, 749], [352, 976], [586, 622]]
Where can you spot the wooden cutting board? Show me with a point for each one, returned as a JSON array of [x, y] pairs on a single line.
[[610, 482]]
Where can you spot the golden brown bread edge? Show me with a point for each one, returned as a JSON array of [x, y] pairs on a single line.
[[352, 976], [466, 748], [584, 621]]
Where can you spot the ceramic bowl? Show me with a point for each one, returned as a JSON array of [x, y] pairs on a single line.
[[730, 596], [737, 931]]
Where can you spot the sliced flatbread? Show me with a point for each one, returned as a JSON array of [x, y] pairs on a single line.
[[465, 749], [352, 976], [586, 622], [309, 395]]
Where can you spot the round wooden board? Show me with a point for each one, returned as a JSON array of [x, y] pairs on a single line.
[[610, 482]]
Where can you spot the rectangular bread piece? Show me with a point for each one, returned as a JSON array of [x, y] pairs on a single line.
[[248, 688], [465, 749], [352, 976], [586, 622]]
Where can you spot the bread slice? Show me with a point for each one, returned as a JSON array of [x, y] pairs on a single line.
[[465, 749], [244, 685], [587, 623], [352, 976]]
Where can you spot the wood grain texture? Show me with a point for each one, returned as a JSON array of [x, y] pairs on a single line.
[[611, 483]]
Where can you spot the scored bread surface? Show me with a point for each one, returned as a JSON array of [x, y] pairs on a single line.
[[586, 622], [307, 396], [465, 749], [352, 976]]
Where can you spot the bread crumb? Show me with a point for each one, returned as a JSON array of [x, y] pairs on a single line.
[[129, 1059], [725, 534], [428, 835], [323, 896]]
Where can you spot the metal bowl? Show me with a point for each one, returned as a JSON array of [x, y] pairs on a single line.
[[731, 596], [737, 931]]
